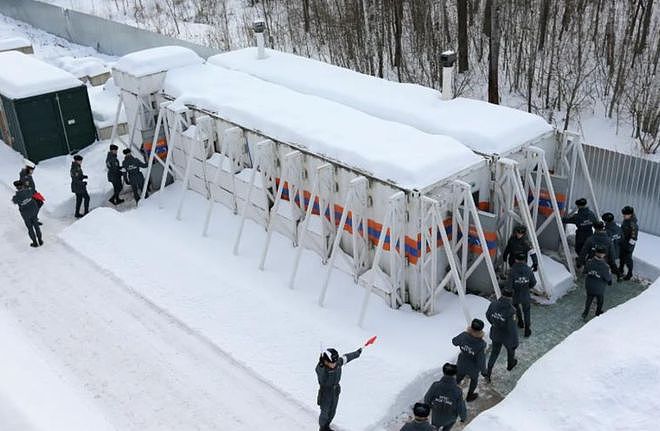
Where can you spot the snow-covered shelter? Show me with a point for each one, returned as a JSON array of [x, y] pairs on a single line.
[[527, 156], [376, 198]]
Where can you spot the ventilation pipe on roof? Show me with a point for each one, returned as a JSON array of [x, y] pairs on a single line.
[[259, 27], [447, 59]]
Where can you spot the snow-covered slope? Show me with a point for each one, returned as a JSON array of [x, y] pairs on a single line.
[[605, 376]]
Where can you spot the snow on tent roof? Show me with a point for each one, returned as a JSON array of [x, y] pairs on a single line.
[[386, 150], [486, 128], [13, 42], [154, 60], [24, 76]]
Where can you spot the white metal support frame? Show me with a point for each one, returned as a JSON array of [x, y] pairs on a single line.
[[512, 205], [176, 119], [323, 176], [537, 163], [291, 174], [194, 146], [355, 198], [264, 165], [572, 154], [161, 122], [395, 208]]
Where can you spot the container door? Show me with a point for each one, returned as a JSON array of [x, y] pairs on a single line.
[[77, 117], [42, 130]]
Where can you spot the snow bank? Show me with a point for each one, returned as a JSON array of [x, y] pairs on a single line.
[[254, 316], [83, 66], [33, 394], [604, 376], [13, 42], [647, 256], [386, 150], [154, 60], [23, 76], [486, 128], [559, 280], [53, 179], [103, 100]]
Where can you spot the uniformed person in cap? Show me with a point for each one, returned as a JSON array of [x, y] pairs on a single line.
[[25, 176], [446, 399], [328, 372], [584, 219], [597, 277], [519, 244], [79, 185], [114, 174], [614, 231], [629, 231], [421, 419], [521, 281], [28, 209], [133, 174]]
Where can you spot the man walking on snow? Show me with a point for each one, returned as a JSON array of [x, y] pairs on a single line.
[[79, 185], [28, 209], [446, 399], [629, 230], [472, 359], [503, 331], [597, 277], [421, 421], [521, 281], [25, 176], [584, 219], [328, 372], [132, 174], [114, 174], [517, 244]]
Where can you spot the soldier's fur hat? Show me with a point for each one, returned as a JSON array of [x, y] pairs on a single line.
[[127, 151], [449, 369], [627, 210], [113, 147], [421, 410], [581, 202], [599, 225], [477, 324], [608, 217], [77, 157], [600, 250]]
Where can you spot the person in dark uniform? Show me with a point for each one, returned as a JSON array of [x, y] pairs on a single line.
[[328, 372], [79, 185], [114, 174], [629, 232], [421, 421], [133, 175], [446, 399], [597, 276], [584, 219], [521, 281], [472, 359], [28, 209], [25, 176], [601, 239], [614, 231], [503, 331], [519, 243]]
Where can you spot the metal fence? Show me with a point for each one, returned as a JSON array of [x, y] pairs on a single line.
[[106, 36], [620, 180]]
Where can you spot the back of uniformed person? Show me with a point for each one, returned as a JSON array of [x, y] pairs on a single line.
[[614, 231], [601, 239], [446, 399], [629, 232], [114, 174], [517, 244], [421, 421], [521, 281], [133, 174], [472, 359], [328, 372], [503, 331], [79, 185], [584, 219], [597, 277], [27, 206]]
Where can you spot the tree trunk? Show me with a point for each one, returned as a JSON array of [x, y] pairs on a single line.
[[493, 54], [462, 36]]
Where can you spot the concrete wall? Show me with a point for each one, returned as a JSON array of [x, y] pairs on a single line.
[[106, 36]]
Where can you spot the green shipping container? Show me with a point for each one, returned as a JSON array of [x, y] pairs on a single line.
[[45, 112]]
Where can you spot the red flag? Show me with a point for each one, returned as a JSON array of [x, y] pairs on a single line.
[[370, 341]]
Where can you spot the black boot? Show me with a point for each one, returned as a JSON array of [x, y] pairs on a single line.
[[471, 397], [628, 276], [78, 215], [528, 332], [34, 244], [512, 365], [120, 201]]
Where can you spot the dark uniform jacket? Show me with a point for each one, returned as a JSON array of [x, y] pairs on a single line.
[[132, 167], [472, 359], [614, 231], [598, 275], [329, 377], [26, 178], [629, 231], [521, 281], [418, 426], [114, 168], [78, 185], [26, 205], [598, 239], [446, 400], [503, 328], [517, 245], [584, 219]]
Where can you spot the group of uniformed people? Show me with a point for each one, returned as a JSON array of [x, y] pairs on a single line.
[[29, 201]]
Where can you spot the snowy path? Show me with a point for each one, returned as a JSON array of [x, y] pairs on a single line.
[[143, 369]]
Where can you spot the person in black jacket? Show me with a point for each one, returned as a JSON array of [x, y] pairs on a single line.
[[114, 174], [584, 219], [614, 231], [472, 359], [133, 174], [601, 239], [446, 399], [28, 209], [25, 176], [597, 277], [503, 331], [629, 231], [328, 372], [421, 421], [79, 185], [517, 244], [521, 281]]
